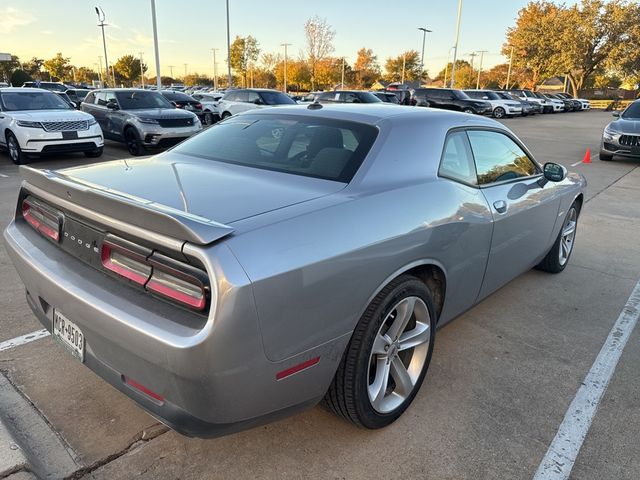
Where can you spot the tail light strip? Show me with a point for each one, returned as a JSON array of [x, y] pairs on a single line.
[[40, 218]]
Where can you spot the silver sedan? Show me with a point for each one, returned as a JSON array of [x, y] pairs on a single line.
[[286, 256]]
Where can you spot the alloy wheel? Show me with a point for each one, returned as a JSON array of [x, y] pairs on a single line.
[[14, 152], [568, 236], [398, 354]]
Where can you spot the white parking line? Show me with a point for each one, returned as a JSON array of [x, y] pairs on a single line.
[[2, 175], [576, 164], [563, 451], [29, 337]]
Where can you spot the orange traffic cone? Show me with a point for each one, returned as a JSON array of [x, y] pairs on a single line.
[[587, 157]]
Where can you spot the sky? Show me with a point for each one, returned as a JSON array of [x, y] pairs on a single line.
[[188, 31]]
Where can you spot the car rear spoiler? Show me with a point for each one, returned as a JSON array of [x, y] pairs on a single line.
[[127, 208]]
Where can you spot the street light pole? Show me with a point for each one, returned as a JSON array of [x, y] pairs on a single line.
[[228, 49], [101, 18], [141, 71], [509, 71], [215, 70], [155, 45], [171, 70], [100, 70], [424, 37], [185, 70], [285, 45], [455, 46], [342, 80], [482, 52]]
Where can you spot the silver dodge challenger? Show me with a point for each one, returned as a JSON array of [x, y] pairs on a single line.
[[286, 257]]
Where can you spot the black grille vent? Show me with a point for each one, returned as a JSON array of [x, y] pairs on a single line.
[[630, 140]]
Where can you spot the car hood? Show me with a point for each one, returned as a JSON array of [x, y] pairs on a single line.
[[623, 125], [50, 115], [216, 191], [158, 113]]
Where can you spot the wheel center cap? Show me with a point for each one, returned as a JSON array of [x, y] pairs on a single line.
[[393, 349]]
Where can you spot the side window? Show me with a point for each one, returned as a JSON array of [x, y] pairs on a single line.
[[251, 97], [498, 158], [350, 97], [91, 98], [111, 97], [101, 99], [457, 159]]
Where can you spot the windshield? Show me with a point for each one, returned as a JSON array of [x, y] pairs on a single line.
[[16, 101], [460, 95], [632, 111], [298, 145], [81, 93], [505, 96], [138, 99], [276, 98], [177, 96]]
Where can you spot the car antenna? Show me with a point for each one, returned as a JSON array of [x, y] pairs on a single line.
[[316, 105]]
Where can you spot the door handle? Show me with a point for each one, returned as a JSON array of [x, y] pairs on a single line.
[[500, 206]]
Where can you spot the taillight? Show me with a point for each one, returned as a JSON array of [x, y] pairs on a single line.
[[163, 276], [125, 263], [198, 106], [179, 283], [179, 106], [42, 219]]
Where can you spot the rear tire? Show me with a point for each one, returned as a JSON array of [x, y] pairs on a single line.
[[558, 257], [387, 356], [134, 145], [606, 156], [225, 115], [208, 118], [13, 147], [94, 153]]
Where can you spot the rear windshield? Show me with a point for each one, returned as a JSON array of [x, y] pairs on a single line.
[[298, 145], [131, 100], [16, 101], [177, 96]]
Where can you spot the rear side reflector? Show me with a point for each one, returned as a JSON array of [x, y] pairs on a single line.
[[44, 220], [125, 263], [297, 368], [141, 388]]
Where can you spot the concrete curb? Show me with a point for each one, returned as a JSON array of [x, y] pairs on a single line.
[[12, 458]]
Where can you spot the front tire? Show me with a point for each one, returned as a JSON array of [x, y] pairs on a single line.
[[499, 112], [558, 257], [606, 156], [13, 147], [134, 146], [225, 115], [387, 357], [468, 110]]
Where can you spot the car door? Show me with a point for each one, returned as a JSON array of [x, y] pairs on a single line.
[[524, 208], [99, 111], [114, 117], [4, 123]]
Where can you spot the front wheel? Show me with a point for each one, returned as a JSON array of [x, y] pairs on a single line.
[[15, 152], [499, 112], [387, 357], [94, 153], [225, 115], [134, 145], [606, 156], [558, 257], [468, 110]]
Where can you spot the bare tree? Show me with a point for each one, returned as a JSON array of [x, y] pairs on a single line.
[[319, 43]]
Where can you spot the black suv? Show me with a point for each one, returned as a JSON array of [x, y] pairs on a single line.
[[449, 99]]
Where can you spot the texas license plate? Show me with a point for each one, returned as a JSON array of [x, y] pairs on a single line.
[[68, 334]]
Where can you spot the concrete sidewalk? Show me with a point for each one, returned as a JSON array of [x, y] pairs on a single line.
[[12, 458]]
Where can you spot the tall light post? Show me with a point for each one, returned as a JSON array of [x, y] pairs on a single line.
[[482, 52], [455, 46], [100, 69], [285, 45], [404, 62], [141, 70], [155, 45], [424, 37], [171, 70], [473, 56], [228, 49], [101, 18], [446, 68], [215, 70], [185, 69], [509, 71]]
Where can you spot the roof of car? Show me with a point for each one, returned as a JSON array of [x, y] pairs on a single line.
[[373, 113], [24, 89]]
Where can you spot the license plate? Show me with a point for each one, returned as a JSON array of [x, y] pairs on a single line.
[[68, 334], [69, 135]]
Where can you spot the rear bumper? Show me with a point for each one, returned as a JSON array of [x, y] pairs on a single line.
[[214, 379]]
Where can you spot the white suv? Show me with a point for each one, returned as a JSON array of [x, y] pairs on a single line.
[[34, 121], [209, 101], [501, 107], [241, 100]]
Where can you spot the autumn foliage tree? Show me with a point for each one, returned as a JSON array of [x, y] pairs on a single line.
[[59, 67], [128, 68], [244, 53], [366, 67], [408, 61], [319, 38]]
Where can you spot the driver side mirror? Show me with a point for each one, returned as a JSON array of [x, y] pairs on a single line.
[[258, 101], [112, 105], [554, 172], [616, 114]]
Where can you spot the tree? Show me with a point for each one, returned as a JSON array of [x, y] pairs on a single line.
[[319, 36], [298, 74], [244, 53], [197, 79], [394, 66], [270, 60], [128, 67], [18, 77], [367, 68], [58, 67], [34, 67], [7, 68], [85, 75]]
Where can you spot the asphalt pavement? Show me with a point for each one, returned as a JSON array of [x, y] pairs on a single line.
[[501, 380]]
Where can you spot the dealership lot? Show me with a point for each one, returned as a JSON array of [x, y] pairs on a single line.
[[499, 385]]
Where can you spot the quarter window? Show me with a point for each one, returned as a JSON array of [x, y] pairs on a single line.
[[457, 159], [498, 158]]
